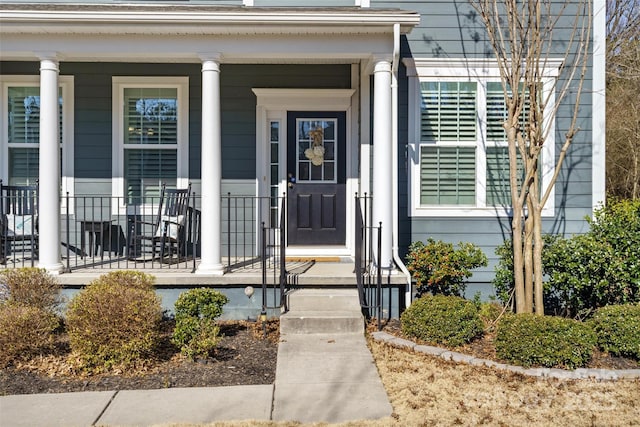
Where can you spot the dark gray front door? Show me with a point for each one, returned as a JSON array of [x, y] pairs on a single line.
[[316, 167]]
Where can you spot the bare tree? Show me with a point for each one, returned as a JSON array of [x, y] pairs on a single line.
[[623, 101], [527, 38]]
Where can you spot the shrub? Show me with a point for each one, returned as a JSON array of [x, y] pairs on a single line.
[[25, 331], [503, 280], [196, 333], [440, 269], [489, 312], [112, 323], [531, 340], [32, 287], [442, 319], [585, 272], [618, 329]]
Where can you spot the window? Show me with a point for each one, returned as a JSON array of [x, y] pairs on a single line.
[[460, 160], [20, 124], [151, 136]]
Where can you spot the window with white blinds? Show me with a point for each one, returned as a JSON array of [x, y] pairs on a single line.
[[448, 111], [20, 124], [150, 120], [459, 151], [447, 175], [152, 142], [23, 133], [448, 114], [497, 112], [498, 184]]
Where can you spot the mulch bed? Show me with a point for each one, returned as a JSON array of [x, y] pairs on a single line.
[[243, 357], [484, 348]]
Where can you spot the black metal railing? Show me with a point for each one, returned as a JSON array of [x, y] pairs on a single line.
[[273, 258], [105, 232], [367, 268]]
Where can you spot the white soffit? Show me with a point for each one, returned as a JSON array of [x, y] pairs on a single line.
[[184, 19]]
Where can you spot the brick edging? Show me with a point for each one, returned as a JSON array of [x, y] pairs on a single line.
[[562, 374]]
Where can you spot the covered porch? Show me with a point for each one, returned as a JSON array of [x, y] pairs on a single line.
[[84, 232]]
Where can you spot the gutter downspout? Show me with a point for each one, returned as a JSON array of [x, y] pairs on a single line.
[[394, 167]]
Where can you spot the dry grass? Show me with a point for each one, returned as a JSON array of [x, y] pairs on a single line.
[[428, 391]]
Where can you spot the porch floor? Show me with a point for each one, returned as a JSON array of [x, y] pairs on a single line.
[[300, 272]]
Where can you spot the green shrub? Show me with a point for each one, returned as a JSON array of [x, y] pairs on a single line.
[[588, 271], [113, 323], [196, 333], [618, 329], [32, 287], [25, 331], [531, 340], [438, 268], [442, 319], [489, 312], [503, 280]]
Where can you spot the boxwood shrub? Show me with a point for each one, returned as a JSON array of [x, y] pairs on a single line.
[[112, 322], [32, 287], [196, 332], [442, 319], [618, 329], [531, 340], [25, 331]]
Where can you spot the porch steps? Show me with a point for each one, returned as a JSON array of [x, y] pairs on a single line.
[[321, 311], [325, 373]]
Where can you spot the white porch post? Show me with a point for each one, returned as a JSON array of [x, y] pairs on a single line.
[[211, 169], [49, 168], [382, 159]]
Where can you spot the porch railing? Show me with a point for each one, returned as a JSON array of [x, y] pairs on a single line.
[[273, 258], [104, 232], [368, 270]]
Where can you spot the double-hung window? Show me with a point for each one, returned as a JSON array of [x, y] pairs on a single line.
[[459, 151], [20, 124], [150, 136]]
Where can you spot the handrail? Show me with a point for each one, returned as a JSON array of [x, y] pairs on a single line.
[[368, 272]]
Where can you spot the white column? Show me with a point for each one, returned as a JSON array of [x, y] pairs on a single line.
[[49, 169], [382, 159], [211, 169]]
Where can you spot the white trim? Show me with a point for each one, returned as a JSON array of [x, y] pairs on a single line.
[[119, 83], [480, 71], [66, 83], [598, 137], [473, 69], [273, 104], [189, 19]]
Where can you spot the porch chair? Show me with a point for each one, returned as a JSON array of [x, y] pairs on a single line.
[[18, 218], [168, 232]]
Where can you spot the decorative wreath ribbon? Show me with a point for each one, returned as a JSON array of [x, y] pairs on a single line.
[[315, 153]]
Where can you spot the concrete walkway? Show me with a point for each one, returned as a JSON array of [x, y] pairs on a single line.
[[324, 372]]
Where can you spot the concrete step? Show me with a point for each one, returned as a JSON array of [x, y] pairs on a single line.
[[322, 322], [325, 300], [321, 311]]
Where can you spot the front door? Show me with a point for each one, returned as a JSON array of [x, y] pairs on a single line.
[[316, 171]]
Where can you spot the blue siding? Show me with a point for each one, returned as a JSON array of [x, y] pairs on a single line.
[[452, 29], [93, 115]]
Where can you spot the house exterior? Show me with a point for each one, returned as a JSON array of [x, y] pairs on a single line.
[[315, 100]]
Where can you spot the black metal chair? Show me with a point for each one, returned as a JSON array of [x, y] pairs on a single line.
[[168, 232], [18, 218]]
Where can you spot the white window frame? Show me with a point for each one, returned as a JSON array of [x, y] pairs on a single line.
[[481, 72], [119, 84], [66, 83]]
